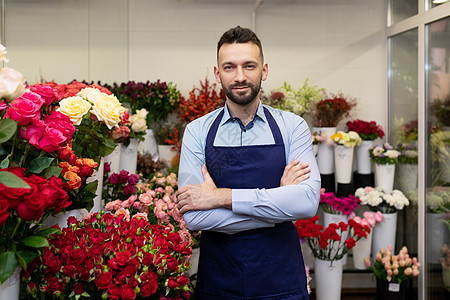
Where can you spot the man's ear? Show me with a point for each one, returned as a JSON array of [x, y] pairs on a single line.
[[265, 72], [216, 74]]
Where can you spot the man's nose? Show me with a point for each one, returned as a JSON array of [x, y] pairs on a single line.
[[240, 75]]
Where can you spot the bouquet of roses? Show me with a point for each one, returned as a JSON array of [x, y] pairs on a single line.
[[368, 131], [106, 256], [384, 155], [118, 186], [377, 200], [329, 111], [200, 102], [338, 206], [349, 140], [323, 241], [394, 268], [297, 101]]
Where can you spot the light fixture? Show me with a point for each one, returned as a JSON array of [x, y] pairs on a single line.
[[439, 1]]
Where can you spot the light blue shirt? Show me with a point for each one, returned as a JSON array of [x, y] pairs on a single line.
[[251, 208]]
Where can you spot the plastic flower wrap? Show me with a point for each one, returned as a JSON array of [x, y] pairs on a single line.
[[377, 200], [322, 241], [384, 154], [108, 257], [366, 130], [347, 139], [394, 268]]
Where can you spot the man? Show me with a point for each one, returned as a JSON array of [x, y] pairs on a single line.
[[236, 185]]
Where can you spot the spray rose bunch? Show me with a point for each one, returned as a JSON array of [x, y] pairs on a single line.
[[119, 186], [106, 256], [394, 268], [323, 240]]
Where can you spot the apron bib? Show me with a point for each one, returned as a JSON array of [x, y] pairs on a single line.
[[263, 263]]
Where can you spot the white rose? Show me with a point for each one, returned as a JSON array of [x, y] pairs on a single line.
[[139, 125], [107, 112], [3, 54], [392, 153], [91, 94], [378, 150], [75, 108], [142, 113], [11, 84]]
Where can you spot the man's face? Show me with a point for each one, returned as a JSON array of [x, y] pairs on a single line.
[[240, 71]]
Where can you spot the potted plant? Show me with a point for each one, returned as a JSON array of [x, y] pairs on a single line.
[[328, 263], [297, 101], [368, 131], [392, 271]]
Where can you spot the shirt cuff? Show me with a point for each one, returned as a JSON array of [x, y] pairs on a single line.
[[242, 201]]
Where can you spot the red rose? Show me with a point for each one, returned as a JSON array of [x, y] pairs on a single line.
[[149, 288], [127, 292], [172, 264], [57, 197], [147, 259], [32, 208], [79, 288], [103, 281], [14, 195], [122, 258], [183, 279], [173, 284], [54, 285], [123, 176], [3, 211]]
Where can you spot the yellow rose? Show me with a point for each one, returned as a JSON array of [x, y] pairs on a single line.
[[112, 98], [75, 108], [91, 94], [108, 112]]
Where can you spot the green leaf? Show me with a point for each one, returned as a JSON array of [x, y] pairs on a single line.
[[52, 170], [35, 241], [8, 263], [28, 255], [21, 261], [38, 164], [13, 181], [7, 129], [5, 163], [47, 231]]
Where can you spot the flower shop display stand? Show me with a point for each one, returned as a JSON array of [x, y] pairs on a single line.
[[328, 279], [114, 159], [98, 175], [390, 291], [362, 250], [128, 156], [61, 219], [325, 153], [9, 290], [384, 234], [343, 159], [166, 154], [149, 145], [363, 180]]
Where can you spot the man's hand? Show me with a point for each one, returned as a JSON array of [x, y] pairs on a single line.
[[295, 172], [202, 196]]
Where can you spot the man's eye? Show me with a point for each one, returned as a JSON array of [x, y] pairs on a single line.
[[250, 67], [227, 67]]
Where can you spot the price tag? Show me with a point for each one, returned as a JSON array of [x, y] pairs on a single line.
[[394, 287]]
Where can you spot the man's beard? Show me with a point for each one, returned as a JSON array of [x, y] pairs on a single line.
[[242, 99]]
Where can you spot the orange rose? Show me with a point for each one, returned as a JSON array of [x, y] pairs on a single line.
[[74, 180]]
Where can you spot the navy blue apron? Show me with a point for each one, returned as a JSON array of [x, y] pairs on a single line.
[[264, 263]]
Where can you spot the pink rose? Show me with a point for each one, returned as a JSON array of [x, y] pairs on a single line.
[[61, 123], [33, 132], [47, 93], [24, 109], [123, 212], [146, 199], [140, 215], [52, 140]]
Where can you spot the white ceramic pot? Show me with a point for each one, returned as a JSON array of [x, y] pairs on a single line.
[[343, 161], [61, 219], [194, 262], [328, 279], [332, 218], [384, 177], [166, 154], [364, 165], [149, 145], [98, 175], [128, 156], [325, 153], [384, 234], [361, 251], [114, 159]]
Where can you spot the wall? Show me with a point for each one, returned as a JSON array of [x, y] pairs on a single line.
[[337, 44]]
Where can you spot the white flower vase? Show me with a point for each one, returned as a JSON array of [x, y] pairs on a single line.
[[343, 161], [384, 234], [9, 290], [128, 156], [361, 251], [364, 165], [166, 154], [149, 145], [333, 218], [384, 177], [114, 159], [437, 235], [328, 279], [98, 175], [407, 177], [325, 153], [61, 219], [315, 149]]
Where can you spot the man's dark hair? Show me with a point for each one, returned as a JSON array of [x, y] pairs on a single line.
[[239, 35]]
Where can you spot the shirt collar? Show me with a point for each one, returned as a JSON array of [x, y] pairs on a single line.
[[259, 114]]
